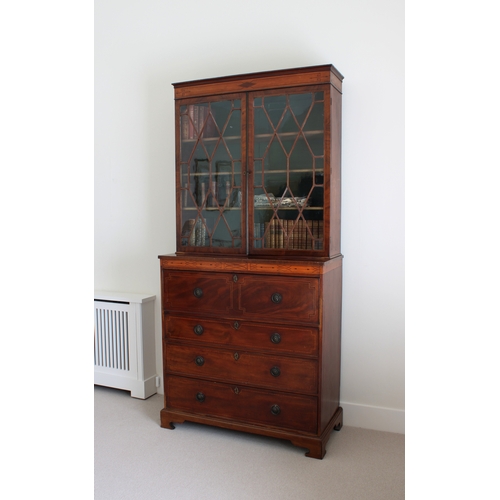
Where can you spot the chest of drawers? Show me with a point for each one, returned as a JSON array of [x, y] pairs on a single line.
[[253, 345]]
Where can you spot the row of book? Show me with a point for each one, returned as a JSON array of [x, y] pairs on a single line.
[[291, 234], [193, 123]]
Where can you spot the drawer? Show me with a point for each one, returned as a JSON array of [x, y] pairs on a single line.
[[243, 367], [203, 292], [261, 336], [278, 298], [229, 401]]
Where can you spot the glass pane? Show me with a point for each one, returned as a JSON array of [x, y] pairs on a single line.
[[274, 106], [319, 165], [222, 236], [262, 123], [300, 105], [275, 184], [210, 172], [301, 158], [275, 157], [288, 125], [232, 135], [315, 120], [316, 197], [288, 168], [220, 113]]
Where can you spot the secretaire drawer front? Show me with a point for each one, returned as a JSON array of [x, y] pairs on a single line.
[[259, 336], [279, 298], [205, 292], [273, 372], [243, 404]]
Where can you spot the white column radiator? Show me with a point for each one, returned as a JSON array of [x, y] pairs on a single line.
[[124, 342]]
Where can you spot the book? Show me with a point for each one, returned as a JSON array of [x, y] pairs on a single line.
[[191, 121], [267, 237], [291, 233], [321, 235], [185, 127], [257, 235], [309, 235], [279, 233]]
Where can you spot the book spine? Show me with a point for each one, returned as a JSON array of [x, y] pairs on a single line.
[[256, 235], [309, 235], [280, 234], [191, 121], [201, 119], [185, 127], [196, 114]]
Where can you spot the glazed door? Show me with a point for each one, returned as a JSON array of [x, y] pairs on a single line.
[[287, 158], [211, 184]]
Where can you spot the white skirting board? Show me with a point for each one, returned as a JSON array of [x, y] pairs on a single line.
[[124, 342], [374, 417]]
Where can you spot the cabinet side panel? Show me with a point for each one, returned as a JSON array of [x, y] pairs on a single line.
[[331, 341], [335, 170]]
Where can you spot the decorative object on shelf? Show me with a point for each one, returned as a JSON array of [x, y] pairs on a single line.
[[264, 200]]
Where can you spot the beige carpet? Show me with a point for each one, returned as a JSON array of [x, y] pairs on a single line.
[[136, 459]]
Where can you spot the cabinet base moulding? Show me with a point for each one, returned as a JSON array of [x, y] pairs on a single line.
[[316, 445]]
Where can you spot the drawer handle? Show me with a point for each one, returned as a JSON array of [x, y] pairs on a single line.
[[200, 397], [235, 278], [275, 338], [236, 325], [198, 330], [276, 297], [236, 356], [275, 410], [275, 371], [199, 360], [198, 293]]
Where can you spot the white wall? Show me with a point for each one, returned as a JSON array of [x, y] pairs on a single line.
[[143, 47]]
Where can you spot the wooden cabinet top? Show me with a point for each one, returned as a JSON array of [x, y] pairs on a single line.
[[247, 264], [310, 75]]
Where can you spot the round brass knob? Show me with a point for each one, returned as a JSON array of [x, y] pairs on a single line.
[[198, 293], [200, 397], [199, 360], [275, 338], [198, 330], [276, 297], [275, 410]]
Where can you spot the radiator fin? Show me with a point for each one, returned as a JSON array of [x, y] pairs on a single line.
[[111, 346]]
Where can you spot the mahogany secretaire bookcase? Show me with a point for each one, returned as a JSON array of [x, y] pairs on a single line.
[[251, 300]]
